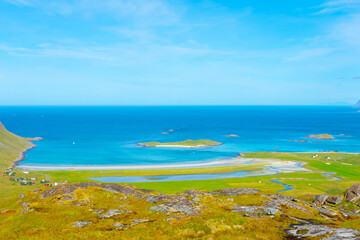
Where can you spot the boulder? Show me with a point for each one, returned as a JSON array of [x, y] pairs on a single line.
[[320, 199], [334, 199], [114, 212], [81, 224], [353, 193], [311, 230]]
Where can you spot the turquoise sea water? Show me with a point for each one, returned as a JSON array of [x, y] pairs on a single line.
[[91, 136]]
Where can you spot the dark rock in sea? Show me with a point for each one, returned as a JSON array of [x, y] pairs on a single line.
[[235, 191], [335, 199], [232, 135], [81, 224], [301, 141], [353, 193]]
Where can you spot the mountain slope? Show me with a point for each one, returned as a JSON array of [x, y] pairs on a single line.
[[11, 146]]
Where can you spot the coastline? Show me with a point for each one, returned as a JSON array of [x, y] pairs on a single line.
[[226, 162], [22, 154]]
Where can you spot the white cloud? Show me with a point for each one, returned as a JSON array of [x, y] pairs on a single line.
[[339, 5], [157, 11]]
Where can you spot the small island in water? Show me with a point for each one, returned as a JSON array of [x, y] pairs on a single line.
[[187, 143], [321, 136]]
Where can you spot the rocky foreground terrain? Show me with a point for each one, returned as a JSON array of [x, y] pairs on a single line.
[[102, 211]]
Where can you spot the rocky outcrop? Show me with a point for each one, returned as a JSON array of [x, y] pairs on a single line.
[[115, 188], [179, 205], [158, 198], [320, 199], [235, 191], [353, 193], [114, 212], [311, 230], [81, 224], [335, 199]]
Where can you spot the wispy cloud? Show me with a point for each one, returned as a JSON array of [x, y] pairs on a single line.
[[339, 5], [154, 10], [121, 54]]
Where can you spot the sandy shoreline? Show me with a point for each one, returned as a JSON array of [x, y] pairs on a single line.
[[286, 165]]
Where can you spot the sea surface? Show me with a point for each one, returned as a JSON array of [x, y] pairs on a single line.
[[106, 136]]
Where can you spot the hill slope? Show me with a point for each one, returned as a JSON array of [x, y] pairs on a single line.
[[11, 146]]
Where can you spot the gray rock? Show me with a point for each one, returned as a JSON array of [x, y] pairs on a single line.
[[98, 211], [196, 199], [326, 211], [81, 224], [67, 197], [121, 226], [24, 204], [255, 211], [181, 204], [230, 199], [172, 217], [157, 198], [194, 193], [270, 211], [320, 199], [334, 200], [310, 230], [235, 191], [137, 221], [353, 193], [114, 212]]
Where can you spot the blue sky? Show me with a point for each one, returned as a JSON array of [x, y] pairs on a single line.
[[154, 52]]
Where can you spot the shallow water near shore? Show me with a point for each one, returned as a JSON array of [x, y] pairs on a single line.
[[107, 136]]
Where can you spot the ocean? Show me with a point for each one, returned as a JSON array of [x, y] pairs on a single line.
[[107, 135]]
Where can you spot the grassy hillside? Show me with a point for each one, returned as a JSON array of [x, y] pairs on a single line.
[[11, 146]]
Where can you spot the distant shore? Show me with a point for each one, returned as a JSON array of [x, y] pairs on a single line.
[[225, 162]]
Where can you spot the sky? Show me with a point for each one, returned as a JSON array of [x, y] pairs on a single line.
[[183, 52]]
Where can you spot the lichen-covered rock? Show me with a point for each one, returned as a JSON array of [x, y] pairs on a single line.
[[235, 191], [137, 221], [255, 211], [111, 187], [334, 199], [157, 198], [181, 204], [310, 230], [114, 212], [353, 193], [326, 211], [194, 193], [320, 199], [81, 224]]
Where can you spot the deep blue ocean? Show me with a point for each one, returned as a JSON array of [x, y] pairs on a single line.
[[105, 135]]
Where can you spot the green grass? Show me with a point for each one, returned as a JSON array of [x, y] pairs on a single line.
[[186, 143], [11, 147]]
